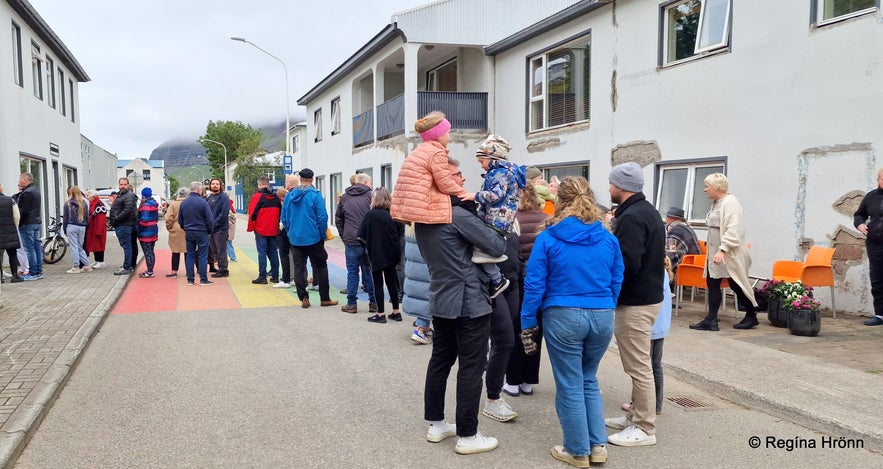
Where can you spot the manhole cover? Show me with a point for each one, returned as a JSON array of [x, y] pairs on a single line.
[[688, 403]]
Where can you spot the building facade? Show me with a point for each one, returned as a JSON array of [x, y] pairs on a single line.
[[99, 166], [144, 173]]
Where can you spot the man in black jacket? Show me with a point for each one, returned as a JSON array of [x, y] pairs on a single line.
[[354, 204], [641, 235], [871, 207], [219, 203], [123, 217], [29, 202]]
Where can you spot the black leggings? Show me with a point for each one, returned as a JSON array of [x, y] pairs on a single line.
[[13, 261], [392, 284], [715, 296]]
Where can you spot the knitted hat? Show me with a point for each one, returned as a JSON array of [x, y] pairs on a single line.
[[533, 172], [146, 193], [628, 177], [494, 147]]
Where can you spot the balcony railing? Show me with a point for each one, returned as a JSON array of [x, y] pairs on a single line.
[[391, 117], [463, 110], [363, 128]]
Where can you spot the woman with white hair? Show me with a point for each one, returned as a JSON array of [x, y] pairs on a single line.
[[727, 257], [96, 232]]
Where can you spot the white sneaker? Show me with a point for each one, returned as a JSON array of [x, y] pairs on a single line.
[[618, 423], [282, 284], [499, 410], [631, 436], [477, 443], [74, 270], [313, 287], [98, 265], [561, 454], [437, 433], [87, 268], [599, 454]]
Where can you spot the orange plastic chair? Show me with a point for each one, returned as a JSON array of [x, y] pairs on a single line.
[[703, 247], [689, 274], [814, 271]]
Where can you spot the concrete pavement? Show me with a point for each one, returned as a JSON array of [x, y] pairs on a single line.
[[826, 383]]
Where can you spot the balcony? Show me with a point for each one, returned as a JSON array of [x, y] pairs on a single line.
[[465, 111], [363, 128]]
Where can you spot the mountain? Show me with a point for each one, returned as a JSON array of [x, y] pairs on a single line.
[[183, 152]]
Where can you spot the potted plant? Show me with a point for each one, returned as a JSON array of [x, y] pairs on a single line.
[[804, 317], [774, 291]]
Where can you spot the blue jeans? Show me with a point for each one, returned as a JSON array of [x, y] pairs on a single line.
[[355, 261], [576, 339], [267, 248], [231, 252], [197, 247], [124, 236], [30, 238], [76, 237]]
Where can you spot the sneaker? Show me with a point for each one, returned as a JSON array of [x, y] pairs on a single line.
[[205, 283], [438, 433], [343, 291], [477, 443], [631, 436], [511, 390], [282, 285], [706, 325], [17, 279], [122, 271], [172, 275], [146, 275], [561, 454], [420, 337], [86, 268], [618, 423], [352, 309], [599, 454], [190, 283], [314, 288], [874, 321], [378, 318], [372, 307], [99, 265], [397, 317], [746, 323], [499, 410], [526, 389], [30, 277], [481, 257], [260, 281], [499, 288], [221, 274], [73, 270]]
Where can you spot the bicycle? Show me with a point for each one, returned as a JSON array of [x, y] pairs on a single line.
[[54, 246]]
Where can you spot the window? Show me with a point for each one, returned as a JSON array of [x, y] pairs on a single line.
[[443, 78], [70, 177], [37, 70], [694, 28], [50, 81], [682, 185], [295, 143], [335, 116], [563, 171], [386, 177], [831, 11], [17, 74], [61, 88], [145, 174], [271, 174], [559, 85], [71, 88], [317, 123]]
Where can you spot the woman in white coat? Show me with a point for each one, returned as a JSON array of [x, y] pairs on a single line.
[[727, 255]]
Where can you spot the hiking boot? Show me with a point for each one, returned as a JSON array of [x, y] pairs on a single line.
[[305, 303], [617, 423], [631, 436], [599, 454], [420, 337], [561, 454], [706, 325], [260, 281], [477, 443], [372, 307], [746, 323], [329, 303], [499, 410], [352, 309], [498, 288], [438, 433], [397, 317], [378, 318]]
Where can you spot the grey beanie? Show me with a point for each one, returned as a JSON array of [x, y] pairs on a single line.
[[628, 177]]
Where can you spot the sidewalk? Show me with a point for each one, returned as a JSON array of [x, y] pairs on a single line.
[[823, 382]]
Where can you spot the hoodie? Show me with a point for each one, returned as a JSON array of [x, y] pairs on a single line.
[[354, 204], [573, 264], [304, 216], [498, 198], [263, 213]]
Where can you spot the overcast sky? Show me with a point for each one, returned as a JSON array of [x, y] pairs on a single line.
[[163, 68]]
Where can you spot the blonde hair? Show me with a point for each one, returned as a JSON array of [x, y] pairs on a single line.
[[76, 194], [281, 192], [575, 199], [381, 198], [718, 181], [529, 201], [428, 121]]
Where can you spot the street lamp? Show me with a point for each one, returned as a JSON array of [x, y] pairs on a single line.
[[287, 113], [226, 179]]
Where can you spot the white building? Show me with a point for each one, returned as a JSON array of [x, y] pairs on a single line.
[[99, 166], [144, 173], [39, 115]]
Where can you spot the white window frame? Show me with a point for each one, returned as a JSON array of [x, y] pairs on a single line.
[[270, 173], [820, 8], [536, 94], [37, 70], [145, 174], [699, 50], [317, 124], [50, 81], [17, 71], [295, 143], [335, 116], [63, 108], [432, 75], [690, 184], [73, 110]]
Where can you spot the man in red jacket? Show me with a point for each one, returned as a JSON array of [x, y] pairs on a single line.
[[263, 220]]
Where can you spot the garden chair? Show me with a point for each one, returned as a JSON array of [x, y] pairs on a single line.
[[814, 271]]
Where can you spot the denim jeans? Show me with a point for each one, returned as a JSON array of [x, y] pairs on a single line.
[[576, 339], [76, 237], [197, 247], [355, 261], [124, 236], [267, 249], [30, 238], [231, 251]]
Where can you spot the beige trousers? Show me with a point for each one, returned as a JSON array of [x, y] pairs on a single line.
[[632, 331]]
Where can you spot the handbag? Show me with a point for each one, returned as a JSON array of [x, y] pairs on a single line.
[[328, 234]]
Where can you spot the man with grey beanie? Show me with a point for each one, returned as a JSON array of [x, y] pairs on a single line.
[[641, 235]]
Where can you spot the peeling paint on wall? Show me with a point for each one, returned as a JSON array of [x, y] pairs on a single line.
[[643, 152], [543, 144], [614, 97], [848, 203]]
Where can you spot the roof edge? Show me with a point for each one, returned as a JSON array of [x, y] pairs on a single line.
[[547, 24], [379, 41], [30, 15]]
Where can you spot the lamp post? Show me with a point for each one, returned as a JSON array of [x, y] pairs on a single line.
[[287, 113], [226, 179]]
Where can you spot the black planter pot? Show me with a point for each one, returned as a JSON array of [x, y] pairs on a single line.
[[805, 322], [777, 314]]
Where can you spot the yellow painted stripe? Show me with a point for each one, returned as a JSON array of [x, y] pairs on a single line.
[[255, 296]]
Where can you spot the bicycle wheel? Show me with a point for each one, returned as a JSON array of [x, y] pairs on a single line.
[[54, 249]]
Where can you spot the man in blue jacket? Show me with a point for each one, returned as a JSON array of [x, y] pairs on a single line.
[[197, 221], [219, 204], [306, 221]]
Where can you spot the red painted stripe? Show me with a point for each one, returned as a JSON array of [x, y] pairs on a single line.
[[150, 294]]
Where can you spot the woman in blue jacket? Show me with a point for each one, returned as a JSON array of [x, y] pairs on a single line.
[[574, 276]]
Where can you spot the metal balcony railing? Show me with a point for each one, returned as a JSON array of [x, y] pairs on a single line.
[[363, 128], [464, 110], [391, 117]]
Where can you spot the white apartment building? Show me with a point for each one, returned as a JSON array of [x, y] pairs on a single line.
[[144, 173], [99, 166], [39, 115]]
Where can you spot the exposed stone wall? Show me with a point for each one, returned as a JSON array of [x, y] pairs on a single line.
[[641, 152]]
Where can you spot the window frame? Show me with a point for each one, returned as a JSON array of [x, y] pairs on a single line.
[[552, 169], [73, 109], [432, 75], [63, 109], [335, 116], [145, 174], [317, 125], [17, 61], [386, 176], [270, 173], [50, 81], [37, 70], [533, 96], [698, 52], [691, 165], [818, 6]]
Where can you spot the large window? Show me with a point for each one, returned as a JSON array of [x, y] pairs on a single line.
[[682, 185], [830, 11], [50, 81], [335, 116], [559, 85], [37, 70], [443, 78], [317, 123], [694, 28], [561, 172], [63, 95], [71, 89], [17, 74], [386, 177]]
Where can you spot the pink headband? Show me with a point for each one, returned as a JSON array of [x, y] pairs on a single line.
[[436, 132]]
